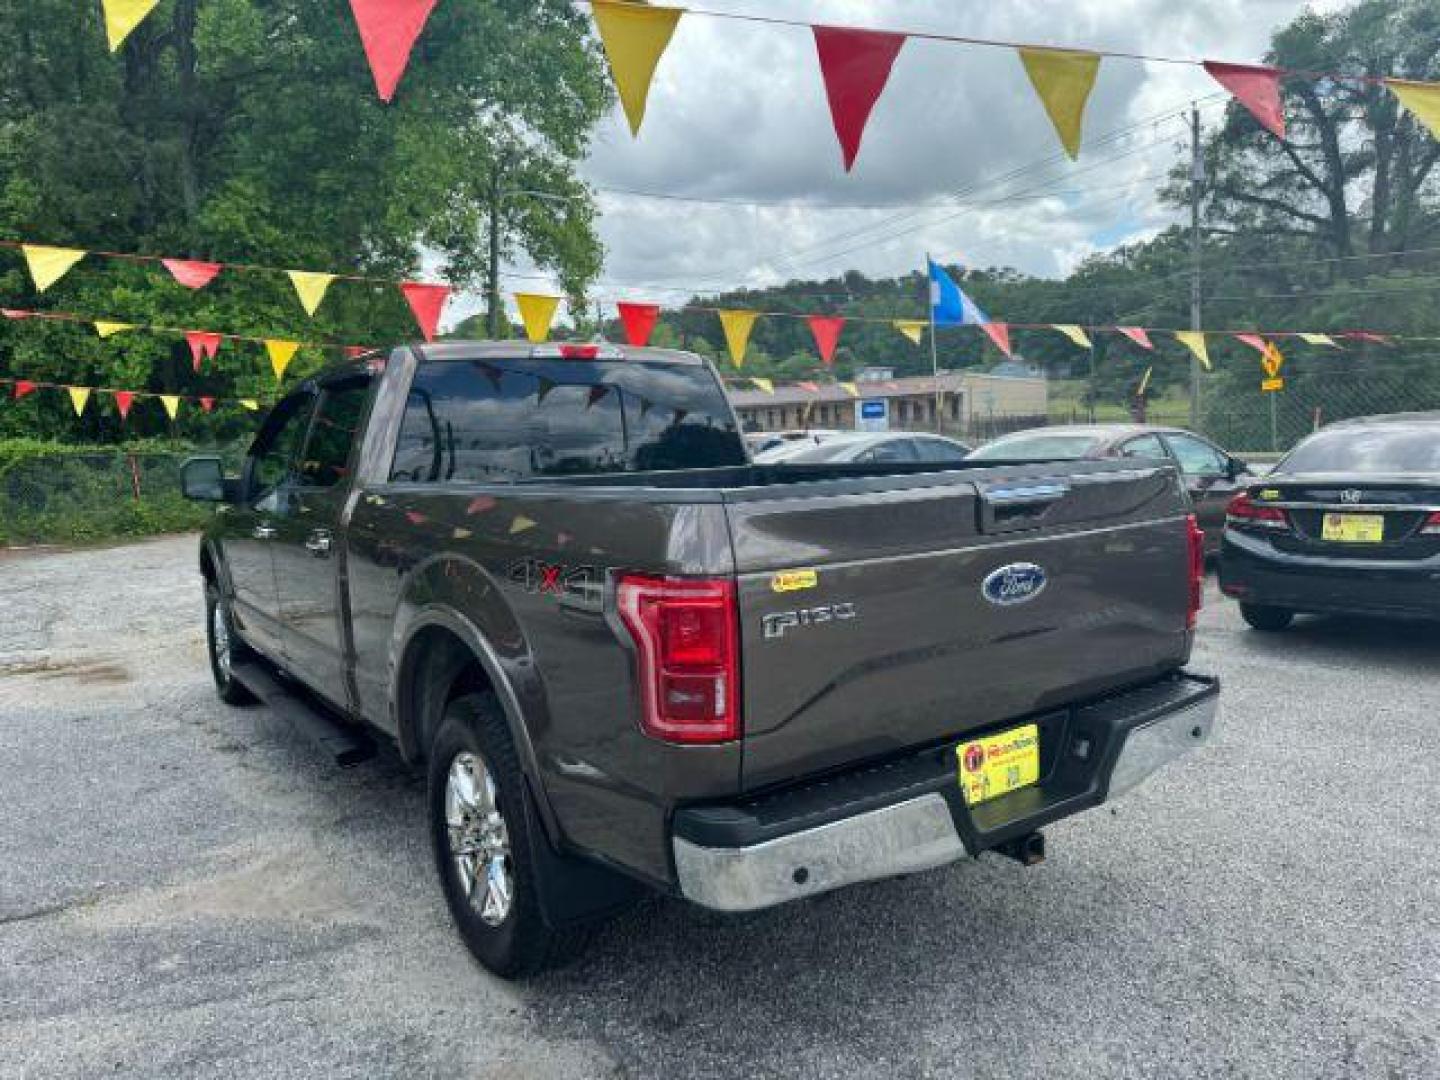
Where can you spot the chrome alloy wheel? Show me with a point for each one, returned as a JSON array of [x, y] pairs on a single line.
[[479, 840], [220, 631]]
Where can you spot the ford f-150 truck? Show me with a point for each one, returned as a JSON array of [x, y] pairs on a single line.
[[631, 659]]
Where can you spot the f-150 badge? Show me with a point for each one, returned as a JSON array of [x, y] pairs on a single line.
[[1014, 584]]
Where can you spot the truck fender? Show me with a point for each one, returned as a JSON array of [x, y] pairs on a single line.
[[465, 629]]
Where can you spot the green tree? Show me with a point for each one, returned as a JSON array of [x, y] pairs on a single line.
[[248, 131]]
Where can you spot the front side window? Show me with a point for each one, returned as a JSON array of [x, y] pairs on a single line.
[[940, 451], [272, 457], [504, 420], [1196, 457], [326, 459]]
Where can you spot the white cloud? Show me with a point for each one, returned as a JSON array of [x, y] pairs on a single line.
[[738, 112]]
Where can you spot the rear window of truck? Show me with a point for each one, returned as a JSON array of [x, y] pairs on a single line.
[[508, 420]]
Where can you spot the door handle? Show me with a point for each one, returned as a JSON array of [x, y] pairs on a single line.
[[318, 543], [264, 532]]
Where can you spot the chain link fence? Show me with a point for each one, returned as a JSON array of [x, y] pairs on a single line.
[[83, 496]]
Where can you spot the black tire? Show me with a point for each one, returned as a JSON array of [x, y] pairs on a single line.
[[1269, 620], [230, 691], [520, 943]]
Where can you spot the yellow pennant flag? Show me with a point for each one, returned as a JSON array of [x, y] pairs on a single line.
[[1074, 333], [1194, 340], [1063, 78], [737, 326], [1319, 339], [79, 395], [1145, 382], [911, 328], [249, 404], [311, 288], [110, 329], [281, 353], [49, 264], [634, 38], [1422, 99], [171, 403], [537, 313], [520, 524], [123, 16], [768, 385], [850, 388]]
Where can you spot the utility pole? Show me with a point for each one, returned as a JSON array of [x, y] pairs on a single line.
[[492, 302], [1197, 179]]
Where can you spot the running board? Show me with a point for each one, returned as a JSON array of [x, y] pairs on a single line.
[[347, 746]]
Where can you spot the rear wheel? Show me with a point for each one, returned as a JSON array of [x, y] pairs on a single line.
[[480, 829], [1270, 620], [226, 649]]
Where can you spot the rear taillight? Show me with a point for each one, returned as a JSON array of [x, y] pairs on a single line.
[[1432, 525], [1197, 571], [1245, 511], [688, 651]]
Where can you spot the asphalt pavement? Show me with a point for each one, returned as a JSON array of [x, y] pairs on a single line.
[[188, 889]]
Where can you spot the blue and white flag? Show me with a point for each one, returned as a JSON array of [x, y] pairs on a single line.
[[948, 302]]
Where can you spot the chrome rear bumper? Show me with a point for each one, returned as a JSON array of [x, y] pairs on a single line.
[[903, 838]]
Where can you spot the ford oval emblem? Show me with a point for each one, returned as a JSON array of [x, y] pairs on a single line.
[[1014, 584]]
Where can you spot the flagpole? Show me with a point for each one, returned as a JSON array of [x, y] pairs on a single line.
[[934, 352]]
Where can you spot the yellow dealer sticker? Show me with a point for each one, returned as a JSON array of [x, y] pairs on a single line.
[[999, 764], [783, 581], [1270, 493]]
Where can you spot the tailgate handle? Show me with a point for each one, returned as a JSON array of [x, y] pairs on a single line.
[[1030, 495]]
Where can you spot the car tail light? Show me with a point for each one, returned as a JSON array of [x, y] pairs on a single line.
[[1432, 525], [1197, 571], [1243, 510], [688, 650]]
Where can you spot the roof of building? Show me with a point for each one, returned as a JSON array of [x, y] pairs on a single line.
[[913, 386]]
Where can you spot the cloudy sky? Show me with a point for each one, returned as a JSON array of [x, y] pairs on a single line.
[[959, 158]]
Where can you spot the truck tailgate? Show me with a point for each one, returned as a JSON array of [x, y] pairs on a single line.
[[895, 641]]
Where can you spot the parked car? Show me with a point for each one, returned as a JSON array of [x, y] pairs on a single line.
[[760, 441], [1212, 476], [631, 660], [866, 447], [1347, 523]]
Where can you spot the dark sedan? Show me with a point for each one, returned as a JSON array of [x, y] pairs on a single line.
[[1348, 523], [1211, 475]]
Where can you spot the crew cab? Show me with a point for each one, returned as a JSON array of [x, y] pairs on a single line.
[[631, 659]]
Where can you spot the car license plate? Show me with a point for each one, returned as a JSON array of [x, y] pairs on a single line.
[[999, 764], [1354, 528]]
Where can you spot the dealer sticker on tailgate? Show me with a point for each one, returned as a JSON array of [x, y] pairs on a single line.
[[999, 764]]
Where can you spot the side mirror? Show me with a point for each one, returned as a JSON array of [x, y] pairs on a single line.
[[1238, 468], [202, 479]]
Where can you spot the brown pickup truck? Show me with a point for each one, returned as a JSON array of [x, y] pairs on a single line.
[[631, 659]]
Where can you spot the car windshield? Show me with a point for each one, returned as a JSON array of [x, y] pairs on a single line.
[[1372, 450], [1038, 446]]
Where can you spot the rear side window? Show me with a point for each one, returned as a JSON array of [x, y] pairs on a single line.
[[507, 420]]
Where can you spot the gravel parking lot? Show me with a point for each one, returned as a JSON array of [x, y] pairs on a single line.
[[190, 890]]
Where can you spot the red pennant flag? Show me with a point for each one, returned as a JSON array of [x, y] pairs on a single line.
[[1137, 335], [23, 387], [481, 504], [639, 320], [826, 329], [427, 302], [123, 400], [999, 333], [12, 313], [1257, 88], [1365, 335], [1255, 341], [192, 274], [202, 345], [207, 403], [812, 387], [388, 30], [353, 351], [855, 65]]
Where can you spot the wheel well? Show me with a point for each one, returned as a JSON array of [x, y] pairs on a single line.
[[438, 666]]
